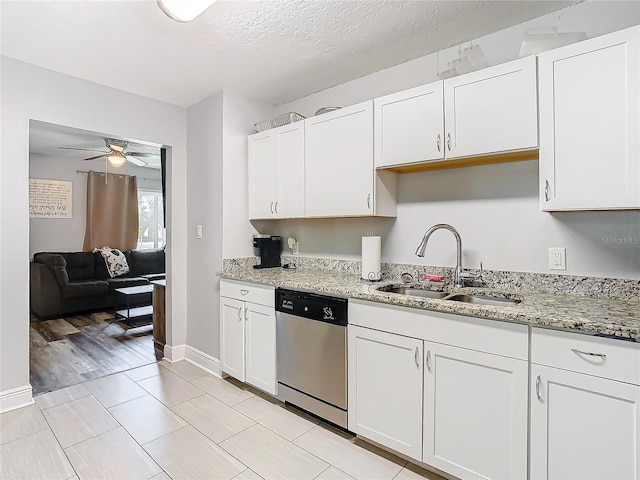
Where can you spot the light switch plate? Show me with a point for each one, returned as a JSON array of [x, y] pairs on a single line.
[[198, 231], [558, 258]]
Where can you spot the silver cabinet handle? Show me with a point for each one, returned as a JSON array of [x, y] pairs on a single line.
[[369, 201], [591, 354], [438, 141], [240, 314], [449, 141], [271, 207], [416, 357], [244, 291], [546, 190], [276, 207], [427, 360], [246, 314], [538, 394]]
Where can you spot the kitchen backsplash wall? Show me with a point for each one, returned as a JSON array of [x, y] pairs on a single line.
[[495, 208]]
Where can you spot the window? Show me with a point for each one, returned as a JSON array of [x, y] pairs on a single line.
[[151, 233]]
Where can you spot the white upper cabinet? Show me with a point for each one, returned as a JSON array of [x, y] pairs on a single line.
[[276, 173], [409, 126], [339, 170], [589, 124], [262, 175], [483, 113], [492, 111]]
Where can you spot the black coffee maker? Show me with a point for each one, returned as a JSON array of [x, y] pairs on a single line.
[[268, 249]]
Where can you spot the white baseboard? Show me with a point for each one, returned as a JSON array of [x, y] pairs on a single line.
[[15, 398], [174, 354], [204, 361]]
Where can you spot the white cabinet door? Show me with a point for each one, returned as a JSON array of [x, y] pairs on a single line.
[[475, 413], [289, 145], [492, 110], [260, 343], [262, 175], [232, 327], [385, 389], [408, 126], [583, 427], [339, 176], [589, 124]]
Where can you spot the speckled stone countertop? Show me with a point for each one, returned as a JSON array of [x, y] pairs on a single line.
[[596, 315]]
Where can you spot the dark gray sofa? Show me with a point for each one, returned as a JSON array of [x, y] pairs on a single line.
[[71, 282]]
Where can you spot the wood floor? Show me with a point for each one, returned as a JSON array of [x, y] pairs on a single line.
[[70, 350]]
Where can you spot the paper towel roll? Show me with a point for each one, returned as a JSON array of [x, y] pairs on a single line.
[[371, 258]]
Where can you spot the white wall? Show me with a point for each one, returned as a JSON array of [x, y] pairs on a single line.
[[240, 114], [30, 92], [67, 234], [495, 208], [204, 183]]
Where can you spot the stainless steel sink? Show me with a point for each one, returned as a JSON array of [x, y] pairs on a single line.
[[483, 299], [417, 292]]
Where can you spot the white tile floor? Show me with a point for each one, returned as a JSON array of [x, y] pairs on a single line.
[[174, 421]]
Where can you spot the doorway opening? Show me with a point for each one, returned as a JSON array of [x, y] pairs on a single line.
[[92, 304]]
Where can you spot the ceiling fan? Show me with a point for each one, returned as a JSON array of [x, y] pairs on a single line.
[[117, 154]]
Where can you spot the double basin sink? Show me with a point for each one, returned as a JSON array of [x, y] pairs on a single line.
[[478, 299]]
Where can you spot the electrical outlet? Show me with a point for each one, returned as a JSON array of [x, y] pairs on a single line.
[[558, 258]]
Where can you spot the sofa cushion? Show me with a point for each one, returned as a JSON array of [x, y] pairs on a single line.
[[85, 288], [80, 265], [122, 282], [57, 264], [146, 261]]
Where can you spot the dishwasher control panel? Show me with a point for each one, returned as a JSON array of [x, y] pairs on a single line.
[[312, 306]]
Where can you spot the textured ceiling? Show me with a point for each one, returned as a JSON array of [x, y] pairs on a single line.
[[270, 50]]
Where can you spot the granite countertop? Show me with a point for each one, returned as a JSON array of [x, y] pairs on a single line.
[[601, 316]]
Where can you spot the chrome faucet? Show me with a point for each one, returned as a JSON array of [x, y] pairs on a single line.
[[457, 279]]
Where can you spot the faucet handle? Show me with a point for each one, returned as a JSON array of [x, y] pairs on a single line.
[[407, 277]]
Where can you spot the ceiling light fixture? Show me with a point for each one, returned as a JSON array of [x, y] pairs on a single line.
[[116, 159], [184, 10]]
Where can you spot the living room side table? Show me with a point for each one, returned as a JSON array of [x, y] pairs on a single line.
[[133, 313]]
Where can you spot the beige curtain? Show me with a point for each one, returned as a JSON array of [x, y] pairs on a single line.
[[112, 212]]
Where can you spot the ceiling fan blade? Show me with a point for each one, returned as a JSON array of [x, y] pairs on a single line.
[[97, 156], [82, 149], [143, 154], [136, 161]]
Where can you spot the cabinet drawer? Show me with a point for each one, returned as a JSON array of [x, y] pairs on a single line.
[[602, 357], [248, 292]]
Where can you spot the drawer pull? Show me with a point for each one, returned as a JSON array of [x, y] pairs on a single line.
[[244, 292], [591, 354], [538, 394]]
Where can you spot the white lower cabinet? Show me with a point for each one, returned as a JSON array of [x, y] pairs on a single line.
[[385, 389], [585, 407], [447, 390], [248, 334], [475, 413]]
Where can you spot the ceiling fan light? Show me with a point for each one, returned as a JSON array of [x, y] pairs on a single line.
[[184, 10], [116, 159]]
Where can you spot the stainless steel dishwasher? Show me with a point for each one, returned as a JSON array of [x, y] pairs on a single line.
[[311, 332]]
